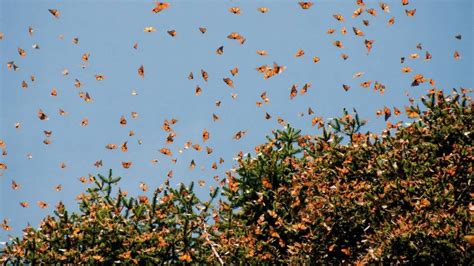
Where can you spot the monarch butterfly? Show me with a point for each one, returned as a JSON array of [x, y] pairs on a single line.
[[343, 31], [368, 45], [235, 10], [330, 31], [372, 11], [263, 9], [299, 53], [229, 82], [404, 2], [239, 134], [135, 46], [305, 88], [21, 52], [338, 17], [316, 59], [262, 52], [99, 77], [406, 69], [410, 13], [85, 57], [306, 5], [24, 204], [357, 31], [293, 91], [42, 204], [141, 71], [85, 122], [385, 7], [42, 115], [160, 6], [202, 30], [204, 75], [111, 146], [126, 165], [391, 21], [166, 151], [346, 87], [54, 12], [15, 186], [220, 50], [366, 84], [124, 147], [172, 33], [234, 71], [338, 44], [456, 55], [190, 76], [198, 91], [357, 12], [205, 135], [123, 121], [149, 29]]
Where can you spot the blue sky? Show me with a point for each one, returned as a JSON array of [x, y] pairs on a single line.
[[107, 30]]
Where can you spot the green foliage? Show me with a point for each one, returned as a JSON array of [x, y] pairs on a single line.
[[404, 196]]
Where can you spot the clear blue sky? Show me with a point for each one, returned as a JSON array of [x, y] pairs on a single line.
[[107, 30]]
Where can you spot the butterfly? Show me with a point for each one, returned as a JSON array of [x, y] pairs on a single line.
[[220, 50], [391, 21], [372, 11], [205, 135], [293, 91], [410, 13], [456, 55], [299, 53], [346, 87], [202, 30], [404, 2], [338, 17], [262, 52], [141, 71], [239, 134], [111, 146], [234, 71], [126, 165], [166, 151], [338, 44], [229, 82], [15, 186], [406, 69], [172, 33], [316, 59], [357, 12], [42, 204], [384, 7], [85, 122], [235, 10], [21, 52], [368, 44], [306, 5], [262, 9], [357, 31], [149, 29], [160, 6], [54, 12], [204, 75], [123, 121], [42, 115], [198, 91], [124, 147], [99, 77]]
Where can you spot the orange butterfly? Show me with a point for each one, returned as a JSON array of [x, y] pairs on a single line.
[[126, 165], [306, 5], [172, 33], [141, 71], [205, 135], [316, 59], [410, 13], [234, 71], [235, 10], [54, 12], [263, 9], [160, 6]]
